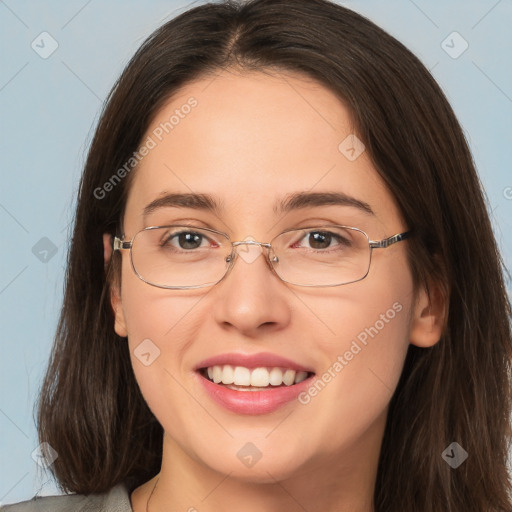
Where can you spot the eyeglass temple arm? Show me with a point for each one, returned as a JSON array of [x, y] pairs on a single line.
[[119, 244], [382, 244]]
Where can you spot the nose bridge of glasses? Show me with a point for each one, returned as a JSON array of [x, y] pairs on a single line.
[[252, 242], [250, 250]]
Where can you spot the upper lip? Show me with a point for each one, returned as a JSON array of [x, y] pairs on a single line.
[[262, 359]]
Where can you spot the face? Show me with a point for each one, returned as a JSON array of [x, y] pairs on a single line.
[[250, 141]]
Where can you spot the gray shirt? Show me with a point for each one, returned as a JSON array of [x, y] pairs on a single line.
[[116, 500]]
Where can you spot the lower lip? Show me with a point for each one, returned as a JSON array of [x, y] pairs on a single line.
[[253, 402]]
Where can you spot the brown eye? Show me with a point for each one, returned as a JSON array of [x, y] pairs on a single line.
[[320, 240], [186, 240]]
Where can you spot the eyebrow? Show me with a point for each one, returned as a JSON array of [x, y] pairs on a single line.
[[300, 200], [295, 201], [190, 200]]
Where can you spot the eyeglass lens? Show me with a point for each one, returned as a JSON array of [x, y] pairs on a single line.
[[184, 256]]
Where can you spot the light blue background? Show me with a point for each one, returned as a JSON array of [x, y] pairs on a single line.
[[49, 108]]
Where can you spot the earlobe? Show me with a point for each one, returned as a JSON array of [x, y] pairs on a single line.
[[117, 306], [115, 292], [429, 316]]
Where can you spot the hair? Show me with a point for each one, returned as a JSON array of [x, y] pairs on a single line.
[[90, 408]]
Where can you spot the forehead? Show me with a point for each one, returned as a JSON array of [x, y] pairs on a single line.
[[250, 140]]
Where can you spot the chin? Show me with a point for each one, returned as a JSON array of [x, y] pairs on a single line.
[[247, 464]]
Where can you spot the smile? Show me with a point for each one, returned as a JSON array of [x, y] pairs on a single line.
[[253, 383], [241, 378]]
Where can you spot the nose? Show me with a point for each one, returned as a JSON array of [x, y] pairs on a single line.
[[251, 298]]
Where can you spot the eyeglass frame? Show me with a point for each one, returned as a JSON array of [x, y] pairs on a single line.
[[120, 244]]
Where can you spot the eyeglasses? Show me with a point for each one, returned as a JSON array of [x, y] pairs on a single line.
[[182, 257]]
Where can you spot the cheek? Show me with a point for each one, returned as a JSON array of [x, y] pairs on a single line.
[[371, 352], [364, 350], [373, 314], [160, 328], [150, 312], [368, 338]]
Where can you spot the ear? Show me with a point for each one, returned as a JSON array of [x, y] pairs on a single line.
[[115, 292], [429, 316]]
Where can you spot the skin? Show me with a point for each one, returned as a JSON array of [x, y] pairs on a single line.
[[252, 139]]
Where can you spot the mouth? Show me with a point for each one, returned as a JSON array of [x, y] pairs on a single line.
[[253, 383], [241, 378]]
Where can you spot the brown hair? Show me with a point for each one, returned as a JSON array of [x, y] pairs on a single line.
[[91, 410]]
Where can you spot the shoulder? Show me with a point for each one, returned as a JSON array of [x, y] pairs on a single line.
[[116, 500]]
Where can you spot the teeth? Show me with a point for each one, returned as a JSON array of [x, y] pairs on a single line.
[[300, 376], [276, 377], [260, 377], [228, 374], [217, 374], [241, 375], [257, 377]]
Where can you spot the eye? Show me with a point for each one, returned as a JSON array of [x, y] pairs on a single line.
[[185, 240], [319, 240]]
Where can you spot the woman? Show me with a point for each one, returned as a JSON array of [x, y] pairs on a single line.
[[362, 363]]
